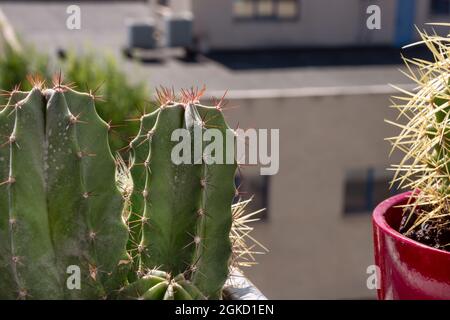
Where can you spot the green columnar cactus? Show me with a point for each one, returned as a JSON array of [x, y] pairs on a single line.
[[180, 216], [163, 230], [59, 204]]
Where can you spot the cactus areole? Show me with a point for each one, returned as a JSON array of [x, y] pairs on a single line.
[[68, 232], [181, 214]]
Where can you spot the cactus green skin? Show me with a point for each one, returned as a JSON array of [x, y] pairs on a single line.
[[139, 174], [60, 206], [171, 204], [27, 267], [183, 218], [214, 224]]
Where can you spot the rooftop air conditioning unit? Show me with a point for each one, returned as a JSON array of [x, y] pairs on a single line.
[[141, 33], [178, 30]]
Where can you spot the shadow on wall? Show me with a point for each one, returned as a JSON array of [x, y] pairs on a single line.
[[291, 58]]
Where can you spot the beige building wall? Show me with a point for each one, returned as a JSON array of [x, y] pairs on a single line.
[[315, 251], [320, 23]]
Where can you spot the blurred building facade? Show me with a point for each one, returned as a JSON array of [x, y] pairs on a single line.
[[250, 24], [333, 156], [318, 220]]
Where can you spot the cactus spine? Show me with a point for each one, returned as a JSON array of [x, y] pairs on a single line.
[[166, 234], [59, 205], [424, 119], [181, 213]]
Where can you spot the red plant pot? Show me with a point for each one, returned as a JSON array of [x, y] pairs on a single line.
[[408, 269]]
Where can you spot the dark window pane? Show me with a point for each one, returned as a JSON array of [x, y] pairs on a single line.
[[364, 189], [258, 187], [355, 193], [440, 7]]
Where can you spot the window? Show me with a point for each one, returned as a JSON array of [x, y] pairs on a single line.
[[440, 7], [265, 9], [366, 188], [258, 187]]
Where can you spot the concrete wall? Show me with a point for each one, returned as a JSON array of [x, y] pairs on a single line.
[[316, 251]]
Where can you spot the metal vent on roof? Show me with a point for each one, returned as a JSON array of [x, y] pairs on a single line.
[[178, 30], [141, 33]]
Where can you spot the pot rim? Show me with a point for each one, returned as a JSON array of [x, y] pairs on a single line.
[[379, 220], [238, 287]]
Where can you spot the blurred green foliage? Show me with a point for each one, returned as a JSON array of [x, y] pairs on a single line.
[[15, 66], [119, 98]]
